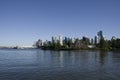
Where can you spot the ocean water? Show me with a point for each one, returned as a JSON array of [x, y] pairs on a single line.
[[36, 64]]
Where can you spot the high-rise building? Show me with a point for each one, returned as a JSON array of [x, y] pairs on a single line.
[[60, 40], [100, 35], [73, 40], [85, 38], [95, 40], [92, 41], [65, 40], [54, 39]]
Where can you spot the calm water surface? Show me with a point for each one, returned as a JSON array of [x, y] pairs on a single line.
[[35, 64]]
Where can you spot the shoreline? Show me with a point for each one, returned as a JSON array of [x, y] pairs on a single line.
[[72, 49], [65, 49]]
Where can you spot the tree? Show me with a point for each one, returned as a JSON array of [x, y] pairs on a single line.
[[104, 44], [115, 43]]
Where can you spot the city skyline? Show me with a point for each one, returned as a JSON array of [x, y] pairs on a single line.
[[22, 22], [62, 39]]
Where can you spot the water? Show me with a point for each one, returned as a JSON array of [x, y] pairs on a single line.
[[35, 64]]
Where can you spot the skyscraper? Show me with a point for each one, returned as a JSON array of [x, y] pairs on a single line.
[[95, 41], [54, 39], [60, 40], [92, 42], [100, 35]]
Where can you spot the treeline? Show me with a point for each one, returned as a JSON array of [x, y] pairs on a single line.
[[115, 44]]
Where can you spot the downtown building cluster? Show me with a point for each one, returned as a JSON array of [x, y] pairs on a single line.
[[66, 42]]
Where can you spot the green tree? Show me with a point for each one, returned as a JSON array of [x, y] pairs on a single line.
[[115, 44], [69, 43], [104, 44]]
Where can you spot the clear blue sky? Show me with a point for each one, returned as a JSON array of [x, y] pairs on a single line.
[[24, 21]]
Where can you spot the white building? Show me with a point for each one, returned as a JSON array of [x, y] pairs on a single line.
[[60, 40]]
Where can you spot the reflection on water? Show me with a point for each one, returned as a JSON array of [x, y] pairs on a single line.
[[102, 56], [67, 58], [37, 64]]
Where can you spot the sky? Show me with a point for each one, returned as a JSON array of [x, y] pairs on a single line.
[[22, 22]]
